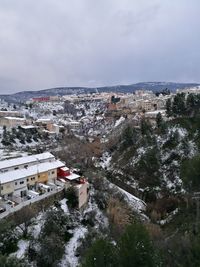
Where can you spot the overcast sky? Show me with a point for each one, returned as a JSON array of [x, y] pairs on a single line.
[[50, 43]]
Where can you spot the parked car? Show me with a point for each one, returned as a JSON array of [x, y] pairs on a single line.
[[10, 203], [2, 209]]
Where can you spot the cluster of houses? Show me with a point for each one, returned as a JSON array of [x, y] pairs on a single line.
[[141, 100], [80, 114], [30, 176]]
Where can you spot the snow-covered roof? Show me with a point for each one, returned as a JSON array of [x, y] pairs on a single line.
[[155, 111], [72, 176], [25, 160], [75, 122], [43, 120], [30, 171], [28, 127], [65, 169], [15, 118]]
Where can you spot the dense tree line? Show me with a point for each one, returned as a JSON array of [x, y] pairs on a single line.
[[134, 248], [183, 105], [9, 138]]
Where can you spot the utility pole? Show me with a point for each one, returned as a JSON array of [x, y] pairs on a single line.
[[196, 197]]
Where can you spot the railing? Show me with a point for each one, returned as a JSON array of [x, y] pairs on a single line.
[[30, 201]]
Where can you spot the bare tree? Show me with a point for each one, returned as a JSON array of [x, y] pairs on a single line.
[[23, 218]]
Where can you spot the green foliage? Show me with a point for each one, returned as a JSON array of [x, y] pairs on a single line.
[[190, 173], [148, 168], [51, 250], [181, 250], [6, 261], [160, 123], [8, 239], [179, 107], [172, 141], [72, 200], [145, 127], [135, 248], [183, 105], [101, 254], [127, 136], [169, 111], [53, 237], [159, 120], [56, 223]]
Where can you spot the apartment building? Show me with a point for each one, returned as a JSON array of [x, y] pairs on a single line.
[[10, 113], [79, 183], [11, 122], [16, 183], [38, 173], [25, 162]]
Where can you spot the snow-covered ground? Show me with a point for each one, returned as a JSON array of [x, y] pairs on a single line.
[[78, 232], [64, 206], [22, 247], [119, 121], [6, 154], [134, 202], [105, 161], [70, 258]]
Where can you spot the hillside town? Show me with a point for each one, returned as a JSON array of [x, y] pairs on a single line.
[[82, 162], [39, 125], [99, 133]]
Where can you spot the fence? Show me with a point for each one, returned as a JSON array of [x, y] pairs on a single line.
[[30, 201]]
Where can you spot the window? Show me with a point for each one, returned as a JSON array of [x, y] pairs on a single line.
[[15, 183], [1, 187], [27, 179], [16, 168], [25, 166], [52, 172], [22, 182], [32, 178]]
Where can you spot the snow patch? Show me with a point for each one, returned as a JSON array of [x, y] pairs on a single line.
[[70, 249], [119, 121]]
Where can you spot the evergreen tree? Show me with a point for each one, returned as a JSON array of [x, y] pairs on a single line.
[[190, 104], [8, 238], [135, 248], [127, 136], [6, 261], [159, 120], [51, 251], [72, 200], [145, 127], [190, 173], [169, 107], [147, 168], [101, 254], [179, 107]]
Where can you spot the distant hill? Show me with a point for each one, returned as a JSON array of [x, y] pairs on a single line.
[[154, 86]]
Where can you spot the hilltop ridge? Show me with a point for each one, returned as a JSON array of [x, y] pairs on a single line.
[[153, 86]]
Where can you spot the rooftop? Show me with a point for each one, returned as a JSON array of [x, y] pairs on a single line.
[[15, 118], [28, 127], [30, 171], [24, 160], [72, 176]]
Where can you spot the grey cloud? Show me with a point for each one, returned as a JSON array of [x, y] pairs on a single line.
[[51, 43]]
